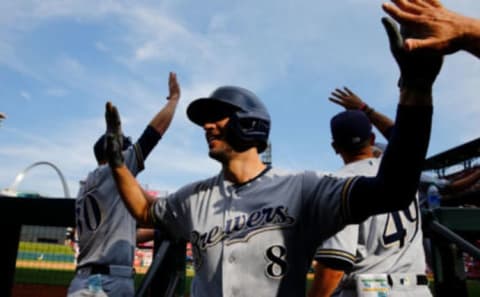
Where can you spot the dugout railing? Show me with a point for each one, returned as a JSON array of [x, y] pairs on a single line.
[[451, 231]]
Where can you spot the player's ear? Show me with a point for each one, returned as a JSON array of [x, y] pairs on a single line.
[[372, 139]]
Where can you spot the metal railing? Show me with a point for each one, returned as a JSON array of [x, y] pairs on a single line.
[[451, 229]]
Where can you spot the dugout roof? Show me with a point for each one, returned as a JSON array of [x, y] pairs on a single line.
[[456, 155]]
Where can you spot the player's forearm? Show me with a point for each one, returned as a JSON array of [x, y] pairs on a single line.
[[464, 182], [325, 281], [396, 183], [383, 123], [471, 40], [416, 97], [145, 234], [132, 195], [164, 117]]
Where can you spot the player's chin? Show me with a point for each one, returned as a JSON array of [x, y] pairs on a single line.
[[217, 154]]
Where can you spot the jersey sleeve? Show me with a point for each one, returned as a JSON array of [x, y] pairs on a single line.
[[170, 214], [134, 159], [327, 203], [338, 251]]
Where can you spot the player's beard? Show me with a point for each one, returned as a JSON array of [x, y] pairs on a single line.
[[221, 154]]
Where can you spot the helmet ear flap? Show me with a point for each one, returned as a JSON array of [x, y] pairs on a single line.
[[245, 130]]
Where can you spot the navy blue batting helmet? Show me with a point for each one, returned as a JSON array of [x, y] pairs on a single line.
[[99, 149], [249, 123]]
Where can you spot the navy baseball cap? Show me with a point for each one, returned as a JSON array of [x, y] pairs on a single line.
[[350, 129], [99, 147]]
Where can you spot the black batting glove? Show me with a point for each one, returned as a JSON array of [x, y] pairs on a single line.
[[113, 136], [418, 68]]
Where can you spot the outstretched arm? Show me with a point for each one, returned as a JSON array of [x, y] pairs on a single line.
[[164, 117], [464, 182], [437, 27], [397, 180], [161, 121], [136, 200], [350, 100]]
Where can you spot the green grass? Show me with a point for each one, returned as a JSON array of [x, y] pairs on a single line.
[[44, 248], [43, 276], [63, 278], [50, 277]]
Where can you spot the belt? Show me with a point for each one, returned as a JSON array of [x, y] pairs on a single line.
[[394, 280], [406, 279], [113, 270]]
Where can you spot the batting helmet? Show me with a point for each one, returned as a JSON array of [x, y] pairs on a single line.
[[99, 149], [249, 123]]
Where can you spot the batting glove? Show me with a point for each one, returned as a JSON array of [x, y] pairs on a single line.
[[114, 137]]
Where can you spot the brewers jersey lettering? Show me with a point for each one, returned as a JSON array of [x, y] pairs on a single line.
[[388, 243], [258, 238]]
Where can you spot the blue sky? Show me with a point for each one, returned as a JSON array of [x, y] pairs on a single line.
[[60, 61]]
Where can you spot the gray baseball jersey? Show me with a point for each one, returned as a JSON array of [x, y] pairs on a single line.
[[387, 243], [258, 238], [106, 230]]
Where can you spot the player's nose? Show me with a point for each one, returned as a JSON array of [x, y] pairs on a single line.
[[209, 125]]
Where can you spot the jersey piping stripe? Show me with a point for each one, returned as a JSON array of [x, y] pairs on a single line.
[[139, 156], [335, 254], [345, 194]]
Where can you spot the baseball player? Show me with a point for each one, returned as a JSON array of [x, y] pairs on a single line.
[[385, 251], [351, 101], [254, 229], [106, 230]]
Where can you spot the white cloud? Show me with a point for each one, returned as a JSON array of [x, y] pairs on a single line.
[[312, 46], [101, 47], [56, 92], [25, 95]]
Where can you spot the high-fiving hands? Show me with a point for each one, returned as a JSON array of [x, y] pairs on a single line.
[[114, 136], [419, 68], [436, 27]]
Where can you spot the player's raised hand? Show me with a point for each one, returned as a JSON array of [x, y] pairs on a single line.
[[419, 68], [438, 28], [114, 136], [173, 86], [347, 99]]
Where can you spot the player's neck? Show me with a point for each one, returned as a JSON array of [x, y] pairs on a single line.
[[243, 167], [362, 155]]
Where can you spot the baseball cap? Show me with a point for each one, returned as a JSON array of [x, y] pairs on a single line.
[[99, 147], [350, 129]]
